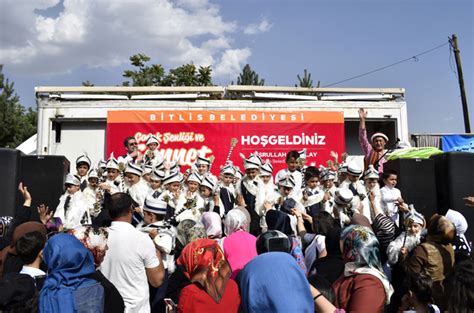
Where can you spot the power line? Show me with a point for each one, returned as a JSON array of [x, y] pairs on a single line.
[[415, 58]]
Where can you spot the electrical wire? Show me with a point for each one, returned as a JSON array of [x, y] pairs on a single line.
[[415, 58]]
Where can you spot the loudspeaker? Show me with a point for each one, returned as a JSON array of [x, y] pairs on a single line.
[[9, 171], [44, 175], [454, 181], [416, 181]]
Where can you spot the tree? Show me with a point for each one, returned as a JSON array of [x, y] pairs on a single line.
[[204, 76], [145, 75], [16, 123], [306, 81], [154, 74], [249, 77]]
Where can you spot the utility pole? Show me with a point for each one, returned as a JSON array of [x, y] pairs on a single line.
[[454, 44]]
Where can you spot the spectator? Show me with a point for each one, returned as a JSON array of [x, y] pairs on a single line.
[[462, 282], [364, 286], [211, 289], [212, 222], [67, 287], [239, 246], [435, 256], [132, 260], [18, 293], [95, 240], [9, 261], [264, 291], [419, 296], [330, 266], [29, 248]]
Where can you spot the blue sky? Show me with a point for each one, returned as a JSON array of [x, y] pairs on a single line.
[[77, 40]]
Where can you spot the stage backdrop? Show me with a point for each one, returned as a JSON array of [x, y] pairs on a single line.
[[185, 134]]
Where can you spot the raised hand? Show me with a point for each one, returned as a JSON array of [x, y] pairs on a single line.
[[362, 114], [25, 193], [44, 213]]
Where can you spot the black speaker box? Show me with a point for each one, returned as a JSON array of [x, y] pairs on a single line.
[[416, 181], [454, 181], [9, 168], [44, 175]]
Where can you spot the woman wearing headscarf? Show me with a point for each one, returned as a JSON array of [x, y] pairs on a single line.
[[435, 256], [213, 224], [187, 232], [273, 282], [67, 287], [211, 289], [95, 240], [239, 245], [364, 286]]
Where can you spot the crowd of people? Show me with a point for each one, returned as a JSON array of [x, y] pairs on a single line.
[[139, 234]]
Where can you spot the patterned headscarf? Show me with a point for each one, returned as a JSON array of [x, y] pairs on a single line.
[[95, 240], [205, 264], [190, 230], [360, 245]]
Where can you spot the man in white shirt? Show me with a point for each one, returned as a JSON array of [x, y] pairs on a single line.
[[132, 259]]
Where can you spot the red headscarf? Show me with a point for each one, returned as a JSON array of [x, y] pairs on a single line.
[[204, 263]]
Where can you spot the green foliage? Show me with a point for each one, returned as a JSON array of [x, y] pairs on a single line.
[[16, 123], [144, 75], [306, 81], [154, 74], [249, 77]]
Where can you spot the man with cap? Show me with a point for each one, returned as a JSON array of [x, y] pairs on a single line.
[[83, 165], [374, 151], [152, 156], [72, 207]]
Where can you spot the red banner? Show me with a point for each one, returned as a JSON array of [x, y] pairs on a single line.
[[185, 134]]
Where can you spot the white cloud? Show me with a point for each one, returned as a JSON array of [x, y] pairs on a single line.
[[107, 32], [232, 61], [262, 27]]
